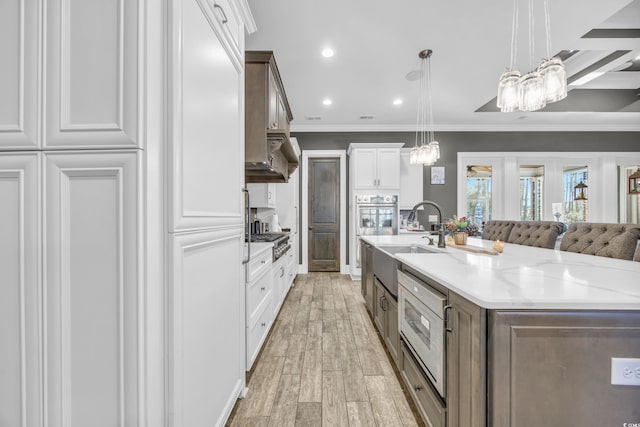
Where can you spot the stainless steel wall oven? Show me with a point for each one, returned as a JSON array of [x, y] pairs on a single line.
[[375, 215]]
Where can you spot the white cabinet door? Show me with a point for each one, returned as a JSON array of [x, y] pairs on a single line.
[[18, 74], [206, 327], [91, 73], [365, 168], [91, 289], [262, 195], [388, 167], [411, 182], [206, 117], [19, 291], [376, 168]]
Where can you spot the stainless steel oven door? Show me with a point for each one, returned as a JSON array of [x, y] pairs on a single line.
[[422, 328]]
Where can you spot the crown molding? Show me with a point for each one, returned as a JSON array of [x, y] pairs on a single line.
[[247, 17], [471, 128]]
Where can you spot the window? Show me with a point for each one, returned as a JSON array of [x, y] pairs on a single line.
[[629, 197], [576, 195], [531, 193], [479, 193]]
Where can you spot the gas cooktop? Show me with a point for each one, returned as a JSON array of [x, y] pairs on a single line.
[[267, 237]]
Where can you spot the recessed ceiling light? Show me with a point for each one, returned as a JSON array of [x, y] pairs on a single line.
[[327, 52], [397, 101], [327, 101]]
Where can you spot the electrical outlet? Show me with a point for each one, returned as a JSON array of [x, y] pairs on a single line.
[[433, 218], [625, 371]]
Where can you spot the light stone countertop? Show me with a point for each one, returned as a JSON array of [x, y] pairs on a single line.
[[524, 277]]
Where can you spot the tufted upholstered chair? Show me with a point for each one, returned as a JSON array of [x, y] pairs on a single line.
[[602, 239], [497, 230], [540, 234]]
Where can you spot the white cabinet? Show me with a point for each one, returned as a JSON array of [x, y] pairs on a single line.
[[280, 283], [91, 50], [207, 326], [288, 216], [411, 181], [19, 37], [122, 297], [263, 195], [206, 299], [259, 297], [206, 142], [91, 283], [375, 168], [20, 291]]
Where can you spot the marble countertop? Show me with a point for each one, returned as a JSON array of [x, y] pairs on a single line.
[[524, 277]]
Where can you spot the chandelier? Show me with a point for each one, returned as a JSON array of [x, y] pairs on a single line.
[[426, 150], [534, 90]]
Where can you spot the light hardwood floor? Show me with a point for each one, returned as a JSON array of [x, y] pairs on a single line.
[[323, 364]]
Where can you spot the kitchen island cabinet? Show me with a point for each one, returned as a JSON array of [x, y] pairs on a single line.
[[531, 335]]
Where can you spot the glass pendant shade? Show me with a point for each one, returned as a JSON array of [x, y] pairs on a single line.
[[414, 155], [434, 152], [555, 79], [507, 100], [531, 96]]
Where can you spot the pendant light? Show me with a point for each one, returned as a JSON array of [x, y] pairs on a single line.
[[533, 90], [426, 150]]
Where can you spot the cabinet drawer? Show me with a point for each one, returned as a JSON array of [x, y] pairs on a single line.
[[258, 328], [421, 391], [229, 24], [259, 264], [257, 291]]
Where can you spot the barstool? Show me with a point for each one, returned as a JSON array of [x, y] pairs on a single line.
[[602, 239]]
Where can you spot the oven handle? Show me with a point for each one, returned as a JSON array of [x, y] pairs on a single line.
[[446, 318]]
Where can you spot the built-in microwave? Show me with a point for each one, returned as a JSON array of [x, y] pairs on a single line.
[[421, 315]]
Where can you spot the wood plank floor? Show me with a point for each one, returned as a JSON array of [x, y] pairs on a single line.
[[323, 364]]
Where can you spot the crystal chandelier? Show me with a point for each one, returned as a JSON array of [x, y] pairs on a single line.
[[426, 150], [537, 88]]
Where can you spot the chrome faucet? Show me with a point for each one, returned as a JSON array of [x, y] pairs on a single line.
[[412, 215]]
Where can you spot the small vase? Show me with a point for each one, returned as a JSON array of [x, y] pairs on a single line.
[[460, 237]]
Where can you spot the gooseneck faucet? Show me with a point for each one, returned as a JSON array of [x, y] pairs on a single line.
[[412, 215]]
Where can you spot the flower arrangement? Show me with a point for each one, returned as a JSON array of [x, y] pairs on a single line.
[[461, 224]]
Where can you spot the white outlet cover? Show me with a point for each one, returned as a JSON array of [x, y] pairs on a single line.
[[625, 371], [433, 218]]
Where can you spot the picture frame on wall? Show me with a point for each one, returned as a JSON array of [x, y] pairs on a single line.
[[437, 175]]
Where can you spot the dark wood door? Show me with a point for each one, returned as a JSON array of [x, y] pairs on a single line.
[[324, 214]]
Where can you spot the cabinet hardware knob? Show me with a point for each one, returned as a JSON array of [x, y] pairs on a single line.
[[417, 388], [264, 261], [264, 324], [263, 288]]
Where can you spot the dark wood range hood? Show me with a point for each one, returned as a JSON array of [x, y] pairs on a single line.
[[269, 155]]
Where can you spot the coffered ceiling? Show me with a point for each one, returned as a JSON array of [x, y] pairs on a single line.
[[376, 45]]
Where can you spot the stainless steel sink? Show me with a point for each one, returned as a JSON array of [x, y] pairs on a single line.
[[408, 249]]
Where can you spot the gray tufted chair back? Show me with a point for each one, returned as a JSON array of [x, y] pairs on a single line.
[[636, 257], [497, 230], [602, 239], [541, 234]]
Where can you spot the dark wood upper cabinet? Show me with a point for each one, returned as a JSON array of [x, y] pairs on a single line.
[[269, 155]]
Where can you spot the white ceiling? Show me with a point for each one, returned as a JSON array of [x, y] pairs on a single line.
[[376, 45]]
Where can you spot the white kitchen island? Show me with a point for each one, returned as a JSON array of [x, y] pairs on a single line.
[[531, 338]]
